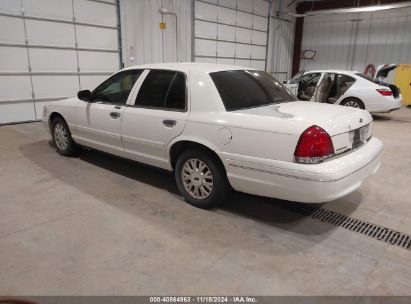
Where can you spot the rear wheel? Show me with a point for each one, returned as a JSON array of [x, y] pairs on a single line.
[[62, 137], [201, 179], [354, 103]]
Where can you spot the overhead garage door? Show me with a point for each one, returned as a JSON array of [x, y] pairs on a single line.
[[231, 32], [51, 49]]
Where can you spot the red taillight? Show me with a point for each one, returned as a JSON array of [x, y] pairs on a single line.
[[313, 146], [385, 92]]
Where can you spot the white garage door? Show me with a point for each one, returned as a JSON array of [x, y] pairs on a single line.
[[231, 32], [50, 49]]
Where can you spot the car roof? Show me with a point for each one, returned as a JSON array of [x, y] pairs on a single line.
[[186, 66], [332, 71]]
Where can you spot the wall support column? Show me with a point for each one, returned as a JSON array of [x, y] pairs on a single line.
[[298, 39]]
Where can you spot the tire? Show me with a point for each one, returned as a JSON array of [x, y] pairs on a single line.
[[353, 102], [206, 188], [62, 139]]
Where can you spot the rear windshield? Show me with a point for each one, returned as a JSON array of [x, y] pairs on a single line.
[[242, 89], [368, 77]]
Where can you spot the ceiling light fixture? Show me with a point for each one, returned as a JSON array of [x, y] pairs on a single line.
[[364, 9]]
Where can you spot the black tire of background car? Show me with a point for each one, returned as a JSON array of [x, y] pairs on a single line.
[[221, 187], [358, 101], [72, 148]]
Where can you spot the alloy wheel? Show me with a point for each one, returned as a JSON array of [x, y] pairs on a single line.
[[197, 178], [60, 136], [352, 103]]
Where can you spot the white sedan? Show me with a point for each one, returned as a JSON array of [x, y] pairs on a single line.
[[220, 127], [348, 88]]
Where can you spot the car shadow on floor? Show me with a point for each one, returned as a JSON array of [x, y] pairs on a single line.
[[381, 117], [390, 117], [273, 212]]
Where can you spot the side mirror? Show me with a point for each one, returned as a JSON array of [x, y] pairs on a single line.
[[84, 95]]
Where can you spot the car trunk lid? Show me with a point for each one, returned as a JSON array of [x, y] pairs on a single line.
[[384, 69], [338, 121], [348, 127], [382, 73], [334, 119]]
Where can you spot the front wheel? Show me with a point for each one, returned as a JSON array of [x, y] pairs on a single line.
[[354, 103], [201, 179], [62, 137]]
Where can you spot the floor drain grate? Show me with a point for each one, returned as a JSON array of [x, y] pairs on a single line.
[[377, 232]]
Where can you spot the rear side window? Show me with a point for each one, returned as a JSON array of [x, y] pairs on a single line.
[[345, 80], [344, 83], [241, 89], [163, 89]]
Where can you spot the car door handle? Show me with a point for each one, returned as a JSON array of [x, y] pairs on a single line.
[[115, 115], [169, 123]]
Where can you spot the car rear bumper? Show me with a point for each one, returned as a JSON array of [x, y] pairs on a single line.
[[309, 183], [386, 106]]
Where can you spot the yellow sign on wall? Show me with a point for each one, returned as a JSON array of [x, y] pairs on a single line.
[[403, 81], [163, 25]]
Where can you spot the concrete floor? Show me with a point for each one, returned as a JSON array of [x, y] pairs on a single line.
[[99, 225]]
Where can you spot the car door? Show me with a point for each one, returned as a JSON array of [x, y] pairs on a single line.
[[158, 115], [98, 121], [292, 85], [307, 86], [326, 87]]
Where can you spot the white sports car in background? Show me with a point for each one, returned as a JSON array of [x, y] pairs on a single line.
[[218, 126], [348, 88]]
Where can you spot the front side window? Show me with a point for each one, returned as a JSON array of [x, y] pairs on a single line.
[[116, 89], [241, 89], [310, 79], [163, 89], [296, 78], [307, 85]]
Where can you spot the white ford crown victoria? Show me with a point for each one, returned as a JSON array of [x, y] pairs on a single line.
[[218, 127]]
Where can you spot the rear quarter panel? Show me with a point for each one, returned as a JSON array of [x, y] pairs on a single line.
[[366, 91], [242, 135]]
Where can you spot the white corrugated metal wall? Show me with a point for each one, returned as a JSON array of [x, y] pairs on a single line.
[[145, 42], [351, 41], [280, 48], [231, 32], [51, 49]]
